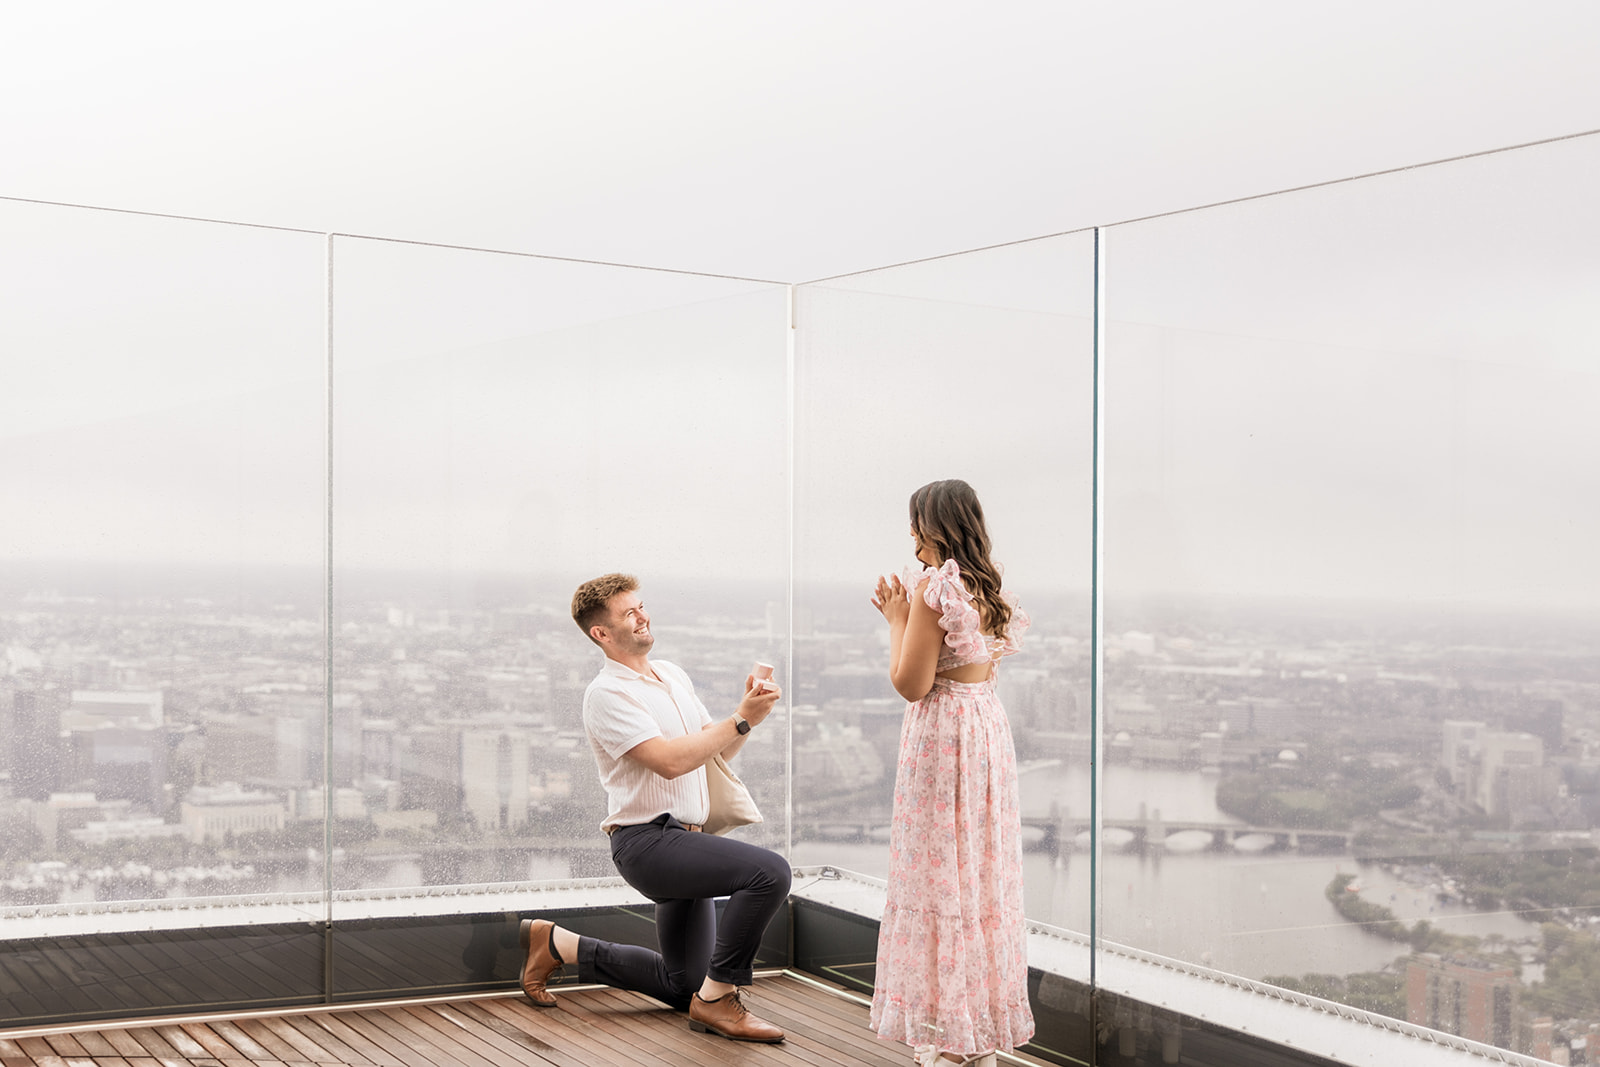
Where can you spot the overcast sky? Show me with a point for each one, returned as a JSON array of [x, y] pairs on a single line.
[[1377, 387], [784, 141]]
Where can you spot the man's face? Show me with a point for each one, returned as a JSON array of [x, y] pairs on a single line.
[[628, 624]]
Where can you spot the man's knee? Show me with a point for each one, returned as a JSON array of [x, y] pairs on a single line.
[[775, 873]]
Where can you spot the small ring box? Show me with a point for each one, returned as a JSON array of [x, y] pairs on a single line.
[[763, 675]]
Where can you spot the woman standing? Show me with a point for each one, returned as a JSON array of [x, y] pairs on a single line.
[[952, 970]]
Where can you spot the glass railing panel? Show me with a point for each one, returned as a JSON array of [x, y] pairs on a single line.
[[506, 427], [162, 484], [977, 366], [1351, 463]]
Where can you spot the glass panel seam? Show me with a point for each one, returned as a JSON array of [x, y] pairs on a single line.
[[789, 476], [327, 632], [1097, 602]]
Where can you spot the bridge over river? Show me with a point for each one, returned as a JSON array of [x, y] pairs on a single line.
[[1056, 833]]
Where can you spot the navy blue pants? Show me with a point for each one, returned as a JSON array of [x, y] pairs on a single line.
[[683, 871]]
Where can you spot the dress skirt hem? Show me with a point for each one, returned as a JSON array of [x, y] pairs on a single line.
[[952, 968]]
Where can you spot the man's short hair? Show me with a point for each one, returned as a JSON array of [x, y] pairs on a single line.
[[589, 602]]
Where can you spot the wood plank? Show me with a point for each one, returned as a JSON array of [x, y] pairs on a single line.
[[361, 1050], [324, 1039], [126, 1046], [35, 1048], [404, 1055], [534, 1042], [95, 1044], [458, 1030], [182, 1043], [307, 1049], [562, 1029], [427, 1042], [153, 1043], [206, 1038], [262, 1035], [65, 1045], [247, 1048], [850, 1038]]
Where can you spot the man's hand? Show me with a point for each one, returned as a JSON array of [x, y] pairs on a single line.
[[758, 703], [681, 755]]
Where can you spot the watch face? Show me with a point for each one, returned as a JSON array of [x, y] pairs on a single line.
[[743, 726]]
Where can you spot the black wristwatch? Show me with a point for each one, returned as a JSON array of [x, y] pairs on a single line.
[[740, 723]]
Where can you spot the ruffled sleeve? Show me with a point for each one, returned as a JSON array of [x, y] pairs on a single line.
[[1016, 627], [958, 616]]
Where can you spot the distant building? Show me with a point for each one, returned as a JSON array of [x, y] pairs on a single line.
[[430, 769], [494, 777], [1503, 774], [240, 748], [91, 708], [125, 761], [35, 735], [310, 805], [213, 812], [836, 759], [1462, 995], [854, 681], [1536, 1037], [1134, 713], [1459, 757], [1037, 699], [1510, 774], [62, 813], [1272, 719], [145, 828], [300, 719]]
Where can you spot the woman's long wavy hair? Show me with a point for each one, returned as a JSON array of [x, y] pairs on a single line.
[[947, 517]]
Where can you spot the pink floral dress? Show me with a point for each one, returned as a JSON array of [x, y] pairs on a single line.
[[952, 968]]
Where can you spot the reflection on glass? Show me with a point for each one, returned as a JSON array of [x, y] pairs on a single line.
[[1352, 594], [505, 429], [160, 596], [977, 367]]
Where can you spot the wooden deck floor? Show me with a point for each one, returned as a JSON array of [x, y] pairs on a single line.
[[590, 1028]]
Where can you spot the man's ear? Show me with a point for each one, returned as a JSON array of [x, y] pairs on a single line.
[[599, 634]]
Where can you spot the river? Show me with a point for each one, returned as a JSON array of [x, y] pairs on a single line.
[[1249, 913]]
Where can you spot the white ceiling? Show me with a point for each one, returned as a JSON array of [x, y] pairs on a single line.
[[774, 141]]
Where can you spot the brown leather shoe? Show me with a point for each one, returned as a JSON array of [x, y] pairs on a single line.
[[728, 1016], [540, 962]]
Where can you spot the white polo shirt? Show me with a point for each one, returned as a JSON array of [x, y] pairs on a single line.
[[621, 708]]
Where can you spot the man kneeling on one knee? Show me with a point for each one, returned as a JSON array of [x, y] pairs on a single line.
[[652, 739]]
